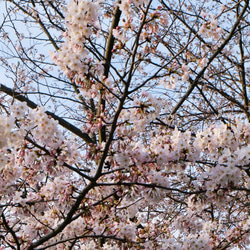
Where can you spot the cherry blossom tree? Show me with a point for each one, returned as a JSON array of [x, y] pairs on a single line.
[[125, 124]]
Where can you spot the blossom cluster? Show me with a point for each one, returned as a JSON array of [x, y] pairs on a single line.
[[210, 28], [129, 7], [33, 147], [146, 173], [73, 58]]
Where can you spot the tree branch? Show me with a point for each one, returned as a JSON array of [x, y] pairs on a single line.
[[196, 81], [31, 104]]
